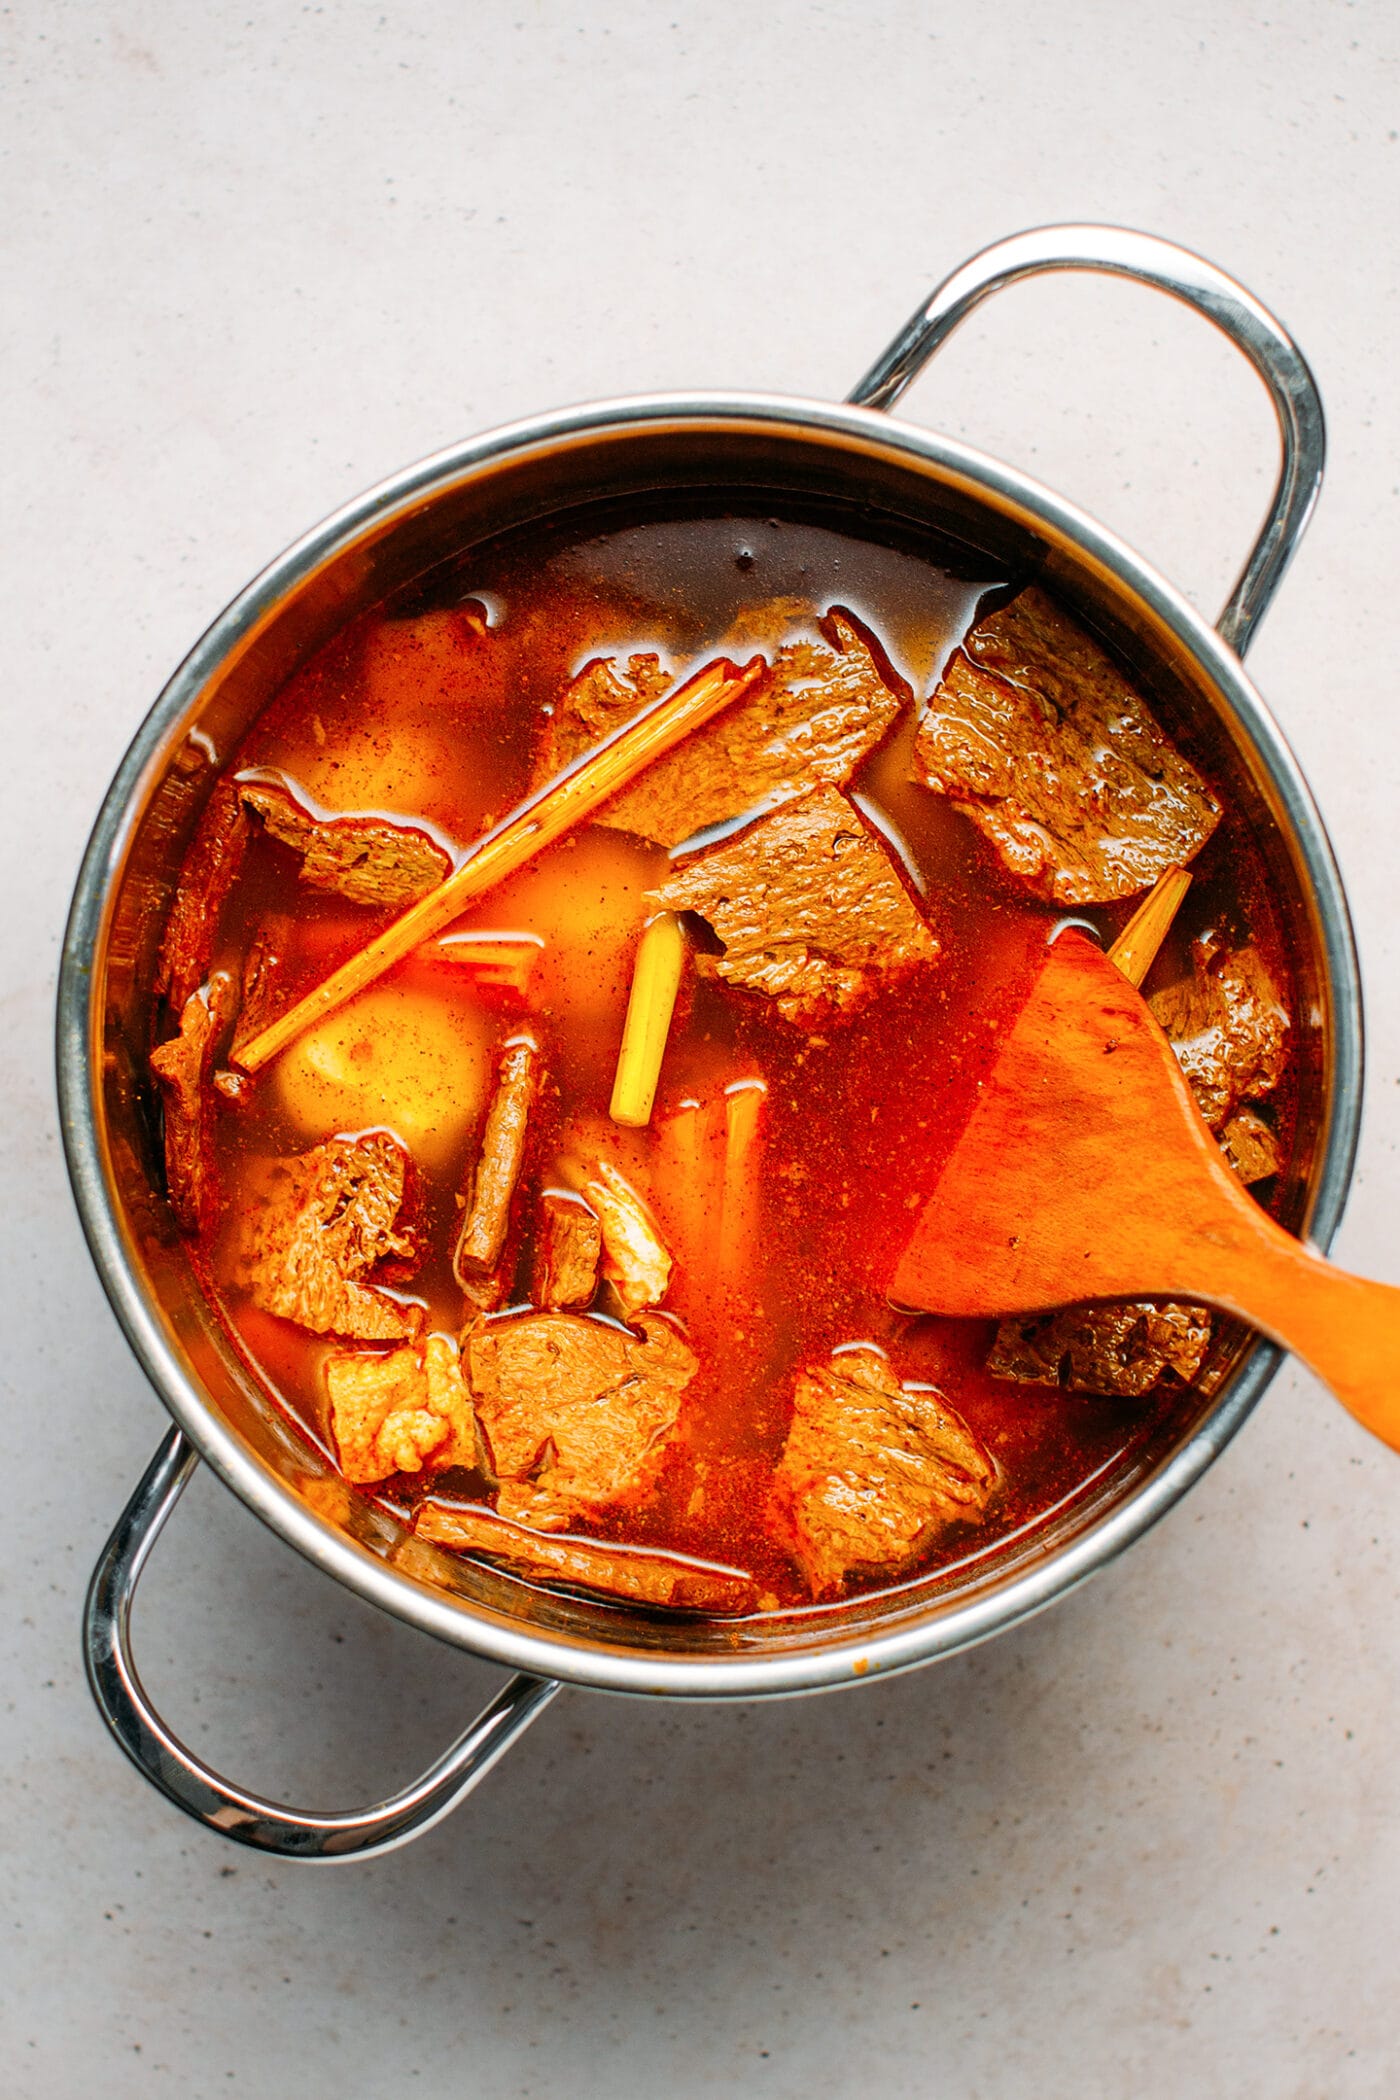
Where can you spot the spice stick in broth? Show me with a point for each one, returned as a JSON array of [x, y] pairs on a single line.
[[567, 800], [1135, 950]]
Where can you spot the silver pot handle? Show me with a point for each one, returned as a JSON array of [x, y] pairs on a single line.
[[192, 1786], [1252, 329]]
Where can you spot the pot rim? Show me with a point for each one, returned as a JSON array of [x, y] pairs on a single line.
[[817, 1665]]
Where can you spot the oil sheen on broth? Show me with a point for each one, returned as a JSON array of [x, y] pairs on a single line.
[[430, 713]]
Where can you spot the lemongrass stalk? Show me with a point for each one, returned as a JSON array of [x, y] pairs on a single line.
[[656, 978], [743, 1109], [1135, 949]]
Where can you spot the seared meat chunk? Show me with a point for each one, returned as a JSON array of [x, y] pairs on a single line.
[[568, 1243], [327, 1219], [1250, 1145], [262, 976], [1228, 1026], [182, 1067], [391, 1414], [823, 706], [635, 1574], [871, 1472], [365, 859], [1118, 1349], [810, 906], [1058, 760], [481, 1242], [605, 694], [207, 875], [576, 1412]]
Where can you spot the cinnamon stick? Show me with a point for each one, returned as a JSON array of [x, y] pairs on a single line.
[[566, 800], [483, 1235]]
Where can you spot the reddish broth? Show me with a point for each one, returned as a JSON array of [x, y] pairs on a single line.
[[413, 712]]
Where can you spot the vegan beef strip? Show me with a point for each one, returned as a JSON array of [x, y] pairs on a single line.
[[576, 1412], [261, 997], [1251, 1146], [1228, 1026], [871, 1472], [823, 706], [182, 1066], [207, 875], [568, 1247], [1058, 760], [327, 1219], [1109, 1349], [365, 859], [476, 1262], [636, 1575], [811, 907], [604, 695]]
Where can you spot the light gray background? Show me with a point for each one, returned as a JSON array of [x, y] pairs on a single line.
[[258, 256]]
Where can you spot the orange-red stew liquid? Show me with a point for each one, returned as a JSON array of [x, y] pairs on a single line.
[[413, 712]]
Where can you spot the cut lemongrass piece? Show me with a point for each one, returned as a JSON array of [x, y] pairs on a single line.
[[492, 958], [743, 1109], [688, 1180], [656, 977], [1135, 949], [488, 950]]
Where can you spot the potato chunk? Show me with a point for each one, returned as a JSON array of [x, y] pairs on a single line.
[[587, 901], [417, 1064]]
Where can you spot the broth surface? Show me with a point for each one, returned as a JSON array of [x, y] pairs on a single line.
[[429, 711]]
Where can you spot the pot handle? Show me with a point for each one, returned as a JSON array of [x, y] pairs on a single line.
[[1119, 252], [191, 1785]]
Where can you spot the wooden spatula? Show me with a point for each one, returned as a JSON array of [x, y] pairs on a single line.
[[1087, 1171]]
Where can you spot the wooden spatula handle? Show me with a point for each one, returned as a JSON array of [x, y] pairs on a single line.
[[1344, 1327]]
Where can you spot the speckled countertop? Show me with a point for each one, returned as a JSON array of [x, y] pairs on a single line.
[[254, 258]]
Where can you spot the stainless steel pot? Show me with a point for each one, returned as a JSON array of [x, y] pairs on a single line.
[[395, 532]]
